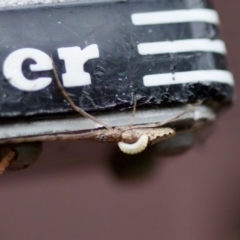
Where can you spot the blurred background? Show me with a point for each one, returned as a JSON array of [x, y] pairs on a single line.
[[73, 192]]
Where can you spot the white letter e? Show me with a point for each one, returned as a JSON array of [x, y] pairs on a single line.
[[12, 69]]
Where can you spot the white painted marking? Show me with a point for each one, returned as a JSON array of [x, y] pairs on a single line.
[[219, 76], [12, 69], [178, 46], [75, 58], [176, 16]]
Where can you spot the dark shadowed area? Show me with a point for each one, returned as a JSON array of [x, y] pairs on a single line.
[[73, 192]]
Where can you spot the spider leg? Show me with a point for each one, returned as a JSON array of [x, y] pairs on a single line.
[[73, 105], [6, 160], [93, 135]]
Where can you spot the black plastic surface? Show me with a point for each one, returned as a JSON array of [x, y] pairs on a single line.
[[117, 76]]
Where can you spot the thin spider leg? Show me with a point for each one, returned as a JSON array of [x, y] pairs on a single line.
[[6, 160], [190, 109], [73, 105], [133, 113], [170, 119], [68, 136], [154, 125]]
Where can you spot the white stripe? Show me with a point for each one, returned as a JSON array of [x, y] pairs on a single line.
[[176, 16], [189, 45], [219, 76]]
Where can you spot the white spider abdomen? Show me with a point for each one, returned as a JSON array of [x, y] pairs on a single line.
[[134, 148]]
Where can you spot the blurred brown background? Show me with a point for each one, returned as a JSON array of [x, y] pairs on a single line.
[[71, 192]]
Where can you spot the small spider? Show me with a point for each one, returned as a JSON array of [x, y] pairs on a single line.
[[132, 139]]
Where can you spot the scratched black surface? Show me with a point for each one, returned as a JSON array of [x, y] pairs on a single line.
[[117, 74]]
